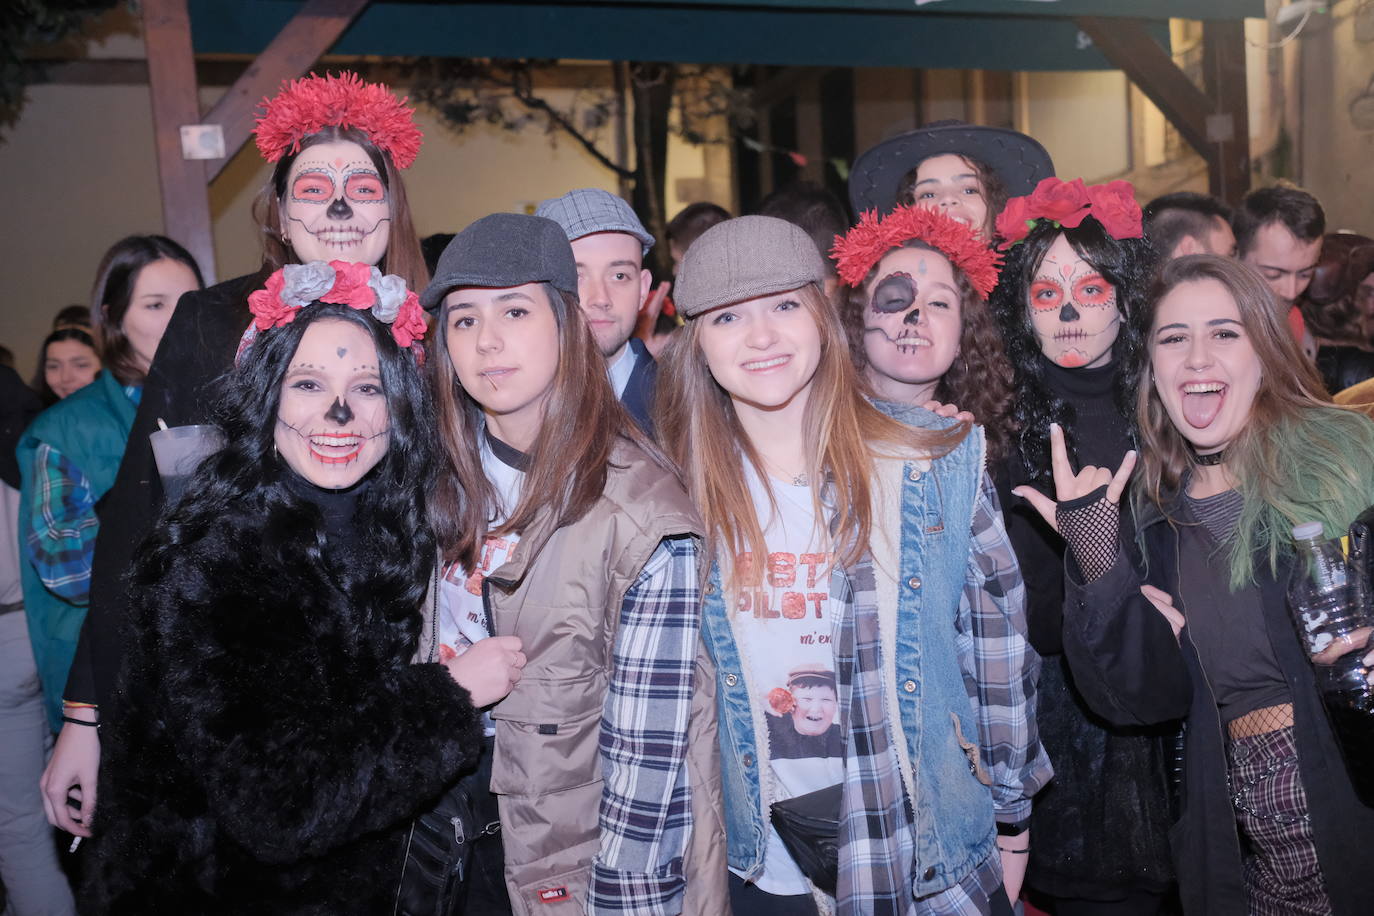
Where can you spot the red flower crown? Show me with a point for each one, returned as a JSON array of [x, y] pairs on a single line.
[[1068, 203], [860, 248], [312, 103]]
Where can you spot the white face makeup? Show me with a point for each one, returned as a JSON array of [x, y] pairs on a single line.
[[763, 352], [1073, 309], [333, 425], [336, 206], [1206, 371], [69, 365], [611, 285], [504, 346], [151, 304], [912, 324], [948, 183]]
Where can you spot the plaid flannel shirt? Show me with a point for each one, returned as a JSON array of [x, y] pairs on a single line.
[[1000, 673], [59, 532], [646, 802]]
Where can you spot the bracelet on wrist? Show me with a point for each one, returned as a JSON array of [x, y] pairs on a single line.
[[76, 721], [1015, 852]]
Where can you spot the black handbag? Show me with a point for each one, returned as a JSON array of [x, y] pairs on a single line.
[[809, 826], [440, 845]]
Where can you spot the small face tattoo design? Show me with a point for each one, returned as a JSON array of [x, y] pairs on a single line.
[[912, 324], [1073, 309], [337, 207], [332, 424]]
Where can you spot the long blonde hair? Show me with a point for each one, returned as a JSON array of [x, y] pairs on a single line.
[[844, 433], [1298, 458]]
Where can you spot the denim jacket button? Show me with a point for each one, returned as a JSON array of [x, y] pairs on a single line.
[[710, 588], [928, 874], [913, 475], [747, 760], [909, 686], [731, 680], [914, 582]]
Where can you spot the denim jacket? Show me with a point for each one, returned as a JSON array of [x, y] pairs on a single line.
[[920, 551]]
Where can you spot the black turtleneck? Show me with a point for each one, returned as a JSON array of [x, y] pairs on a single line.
[[1101, 435], [337, 506]]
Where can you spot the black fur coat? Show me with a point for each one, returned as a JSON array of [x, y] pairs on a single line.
[[269, 740]]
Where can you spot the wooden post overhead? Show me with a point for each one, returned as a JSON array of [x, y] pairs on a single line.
[[172, 86], [301, 42], [1223, 70], [1215, 123]]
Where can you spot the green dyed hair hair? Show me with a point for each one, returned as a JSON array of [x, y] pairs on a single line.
[[1299, 458]]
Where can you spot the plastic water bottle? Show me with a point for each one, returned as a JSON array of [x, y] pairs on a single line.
[[1329, 601]]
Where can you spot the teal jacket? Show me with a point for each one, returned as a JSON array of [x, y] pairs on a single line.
[[89, 428]]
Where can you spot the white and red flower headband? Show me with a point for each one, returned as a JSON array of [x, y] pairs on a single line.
[[359, 286], [861, 247]]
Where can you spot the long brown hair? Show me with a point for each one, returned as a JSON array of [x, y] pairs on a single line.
[[980, 378], [697, 423], [403, 256], [1298, 458], [568, 460], [113, 292]]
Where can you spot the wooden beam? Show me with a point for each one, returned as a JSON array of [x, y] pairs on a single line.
[[1128, 45], [1223, 70], [301, 42], [172, 87]]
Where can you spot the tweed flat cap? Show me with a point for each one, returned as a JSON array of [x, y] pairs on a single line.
[[586, 211], [744, 258], [501, 250]]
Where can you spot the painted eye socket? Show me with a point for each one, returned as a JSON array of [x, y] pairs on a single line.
[[1046, 294], [313, 186], [1094, 290], [364, 187]]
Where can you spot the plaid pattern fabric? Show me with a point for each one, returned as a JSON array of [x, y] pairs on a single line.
[[1000, 672], [1000, 668], [1282, 875], [646, 802], [59, 533]]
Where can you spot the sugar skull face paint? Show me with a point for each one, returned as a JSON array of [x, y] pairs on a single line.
[[333, 425], [1073, 309], [337, 207], [912, 324]]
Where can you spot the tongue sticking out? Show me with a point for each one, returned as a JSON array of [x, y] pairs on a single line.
[[1201, 409]]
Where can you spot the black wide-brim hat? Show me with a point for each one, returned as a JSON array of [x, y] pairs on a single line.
[[1018, 161]]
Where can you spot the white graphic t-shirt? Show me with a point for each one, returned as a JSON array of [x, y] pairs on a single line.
[[784, 628], [462, 616]]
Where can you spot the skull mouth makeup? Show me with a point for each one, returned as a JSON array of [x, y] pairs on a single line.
[[334, 447]]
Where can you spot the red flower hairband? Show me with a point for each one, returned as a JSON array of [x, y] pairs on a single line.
[[1068, 203], [359, 286], [310, 104], [860, 248]]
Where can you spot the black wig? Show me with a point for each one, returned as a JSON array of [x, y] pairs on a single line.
[[245, 483], [1128, 264]]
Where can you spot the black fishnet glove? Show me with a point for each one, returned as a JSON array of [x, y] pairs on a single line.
[[1089, 525]]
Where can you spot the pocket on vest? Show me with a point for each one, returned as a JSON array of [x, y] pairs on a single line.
[[564, 893], [537, 758]]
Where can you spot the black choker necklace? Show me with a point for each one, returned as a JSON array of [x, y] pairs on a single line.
[[1209, 460]]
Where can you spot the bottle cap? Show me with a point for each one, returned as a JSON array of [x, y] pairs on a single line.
[[1308, 531]]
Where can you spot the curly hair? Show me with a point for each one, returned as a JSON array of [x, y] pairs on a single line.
[[1128, 264], [245, 483], [980, 378]]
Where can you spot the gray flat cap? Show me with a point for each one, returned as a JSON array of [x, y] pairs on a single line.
[[501, 250], [589, 210], [744, 258]]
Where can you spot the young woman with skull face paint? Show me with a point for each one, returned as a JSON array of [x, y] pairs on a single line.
[[880, 533], [1238, 444], [335, 194], [272, 733], [1069, 284], [919, 327]]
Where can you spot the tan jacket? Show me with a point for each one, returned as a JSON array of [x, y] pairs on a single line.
[[560, 591]]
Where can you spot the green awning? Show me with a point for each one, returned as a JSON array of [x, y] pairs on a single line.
[[956, 34]]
